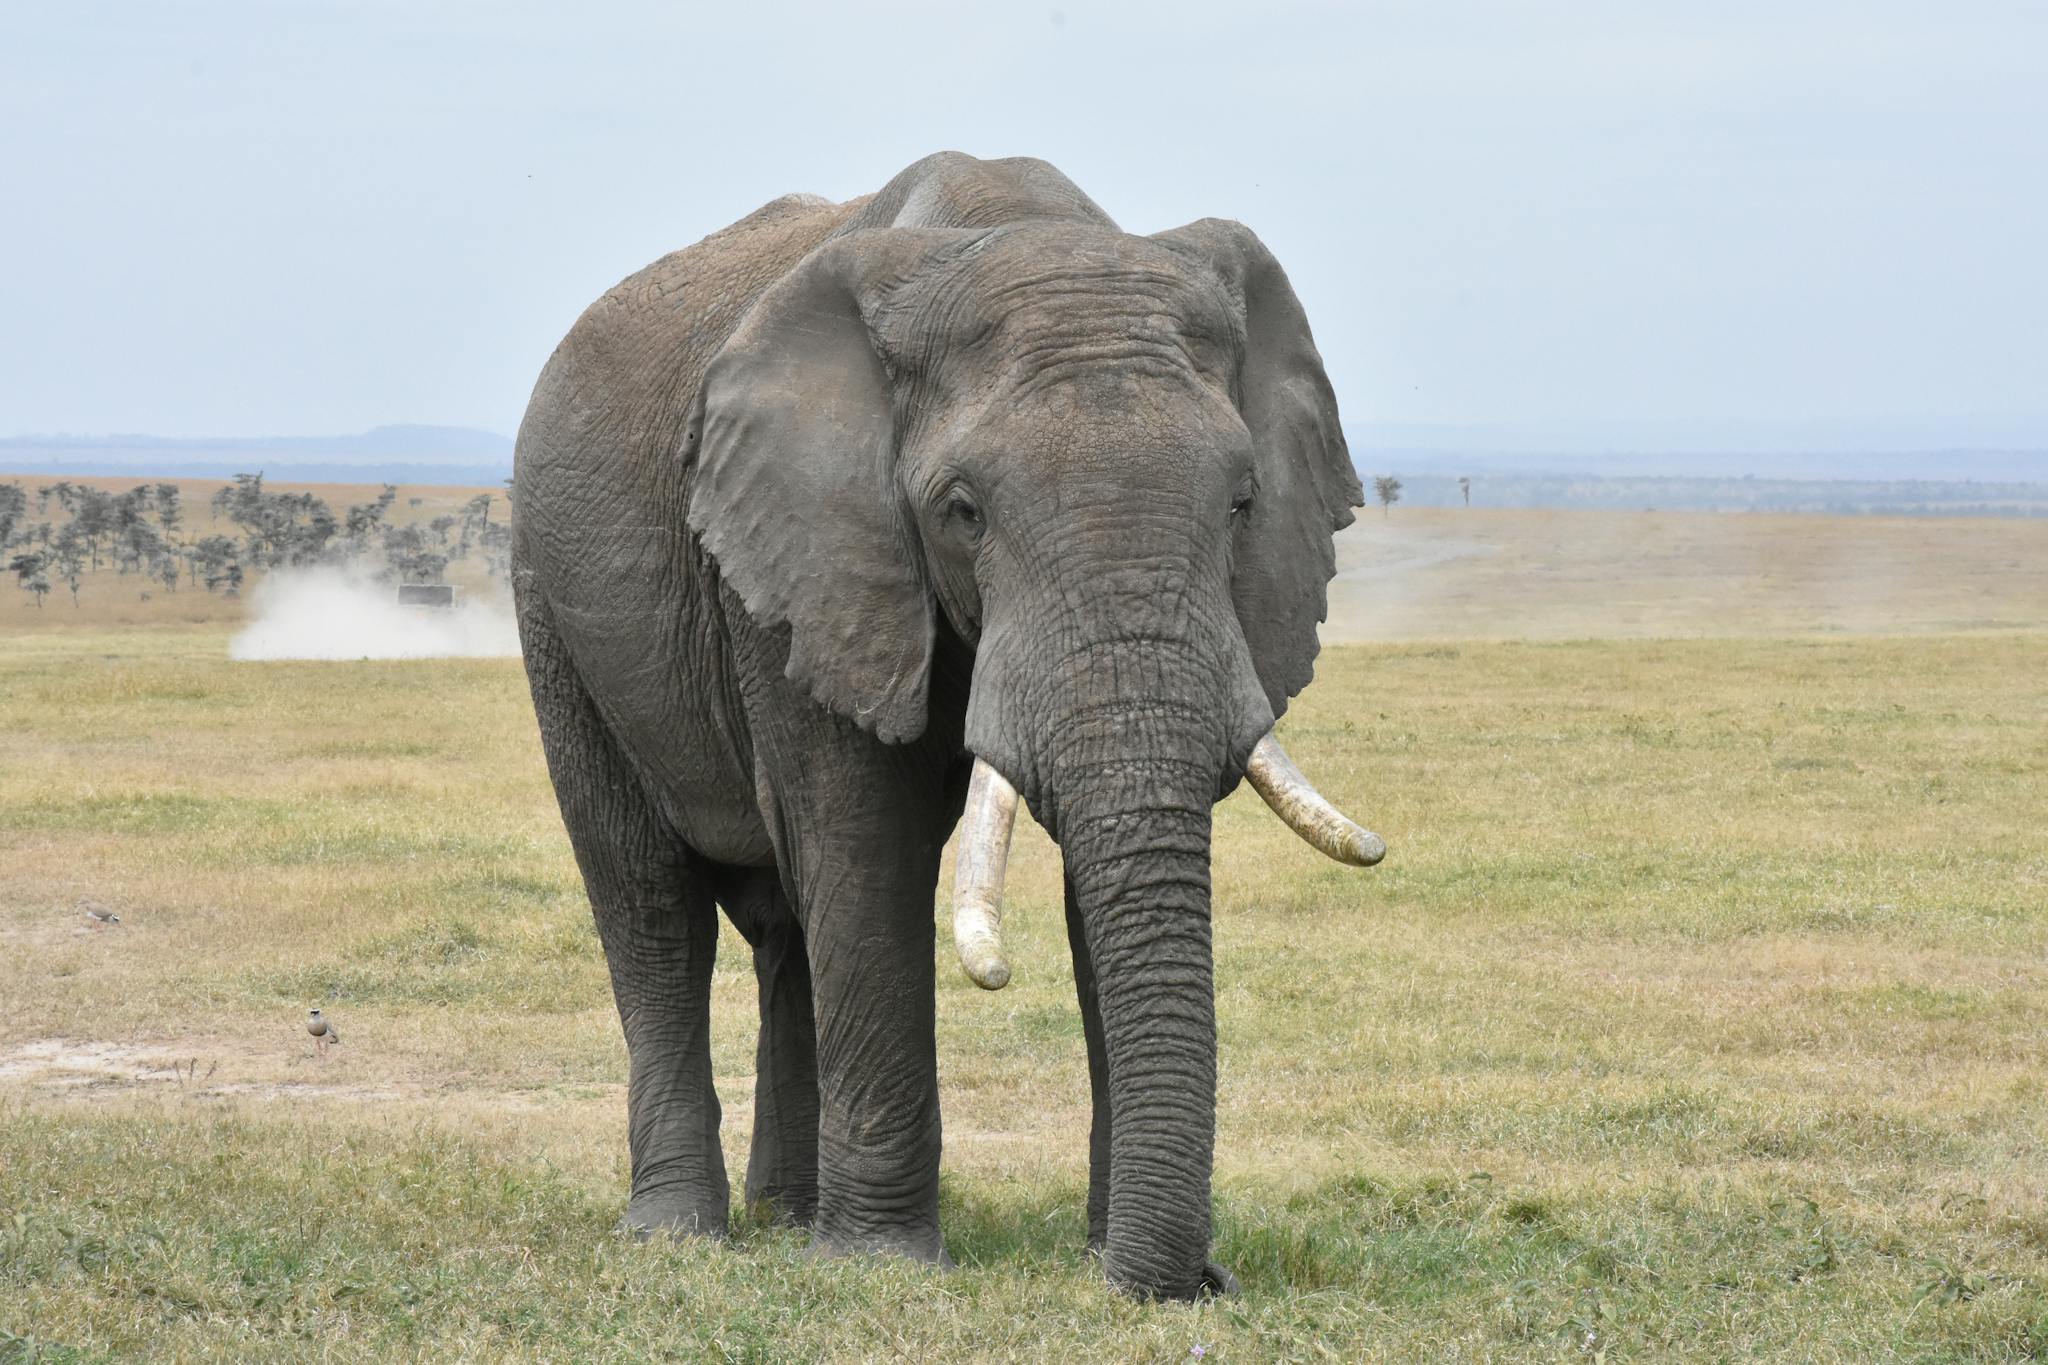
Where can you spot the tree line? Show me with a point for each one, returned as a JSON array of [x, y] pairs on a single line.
[[75, 529]]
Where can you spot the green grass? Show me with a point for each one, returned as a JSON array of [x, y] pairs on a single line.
[[1696, 1014], [195, 1232]]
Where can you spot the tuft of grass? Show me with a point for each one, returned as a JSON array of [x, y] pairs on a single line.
[[548, 967]]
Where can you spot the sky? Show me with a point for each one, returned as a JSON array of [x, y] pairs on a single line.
[[313, 216]]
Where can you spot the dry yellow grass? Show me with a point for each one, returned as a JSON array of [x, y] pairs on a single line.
[[1695, 1014]]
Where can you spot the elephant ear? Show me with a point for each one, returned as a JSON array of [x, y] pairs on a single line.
[[1306, 484], [793, 489]]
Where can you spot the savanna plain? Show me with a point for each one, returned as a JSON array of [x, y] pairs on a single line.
[[1699, 1012]]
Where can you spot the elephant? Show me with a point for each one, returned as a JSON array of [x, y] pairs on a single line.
[[853, 518]]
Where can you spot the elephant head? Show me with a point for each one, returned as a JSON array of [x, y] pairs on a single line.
[[1110, 465]]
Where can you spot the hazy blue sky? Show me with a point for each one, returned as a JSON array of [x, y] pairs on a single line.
[[248, 218]]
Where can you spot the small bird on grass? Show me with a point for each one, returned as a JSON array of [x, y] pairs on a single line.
[[97, 916], [325, 1034]]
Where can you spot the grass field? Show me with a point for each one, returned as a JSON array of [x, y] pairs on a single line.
[[1697, 1013]]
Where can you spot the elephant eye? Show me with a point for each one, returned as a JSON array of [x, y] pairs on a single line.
[[962, 508], [1242, 497]]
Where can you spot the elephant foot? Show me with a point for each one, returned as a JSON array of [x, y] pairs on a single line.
[[1216, 1282], [926, 1249], [785, 1209], [671, 1214]]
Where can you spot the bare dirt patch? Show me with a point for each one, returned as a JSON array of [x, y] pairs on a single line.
[[80, 1066]]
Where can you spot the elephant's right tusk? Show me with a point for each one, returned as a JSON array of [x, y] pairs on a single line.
[[1306, 811], [978, 877]]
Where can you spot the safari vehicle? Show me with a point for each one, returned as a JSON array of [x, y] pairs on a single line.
[[426, 595]]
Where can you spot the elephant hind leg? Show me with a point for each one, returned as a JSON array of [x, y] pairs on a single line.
[[651, 898], [782, 1165]]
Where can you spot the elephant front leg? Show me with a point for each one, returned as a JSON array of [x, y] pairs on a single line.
[[857, 827], [869, 928]]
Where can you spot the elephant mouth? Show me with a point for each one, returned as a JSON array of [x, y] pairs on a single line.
[[991, 817]]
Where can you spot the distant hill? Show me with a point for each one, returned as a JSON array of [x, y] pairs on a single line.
[[1830, 476], [388, 454]]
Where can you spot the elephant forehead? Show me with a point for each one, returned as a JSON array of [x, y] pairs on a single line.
[[1046, 297], [1056, 440]]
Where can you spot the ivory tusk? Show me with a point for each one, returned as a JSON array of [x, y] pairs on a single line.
[[1304, 809], [978, 877]]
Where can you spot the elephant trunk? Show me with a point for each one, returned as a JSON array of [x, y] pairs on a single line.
[[1131, 796], [1141, 883]]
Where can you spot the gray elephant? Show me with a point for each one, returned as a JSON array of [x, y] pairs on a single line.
[[849, 509]]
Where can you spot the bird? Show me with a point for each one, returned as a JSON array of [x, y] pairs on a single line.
[[97, 915], [323, 1030]]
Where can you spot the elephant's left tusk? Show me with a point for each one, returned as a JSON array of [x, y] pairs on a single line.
[[978, 877], [1307, 813]]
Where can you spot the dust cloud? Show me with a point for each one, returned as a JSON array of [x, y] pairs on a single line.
[[330, 613]]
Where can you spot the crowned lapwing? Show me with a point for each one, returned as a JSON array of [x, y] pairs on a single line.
[[325, 1034]]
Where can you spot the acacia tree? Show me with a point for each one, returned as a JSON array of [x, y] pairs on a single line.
[[280, 528], [476, 519], [238, 501], [139, 543], [409, 554], [244, 492], [94, 516], [497, 547], [212, 556], [13, 507], [28, 573], [70, 554], [364, 518], [168, 511], [1387, 489], [308, 544]]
